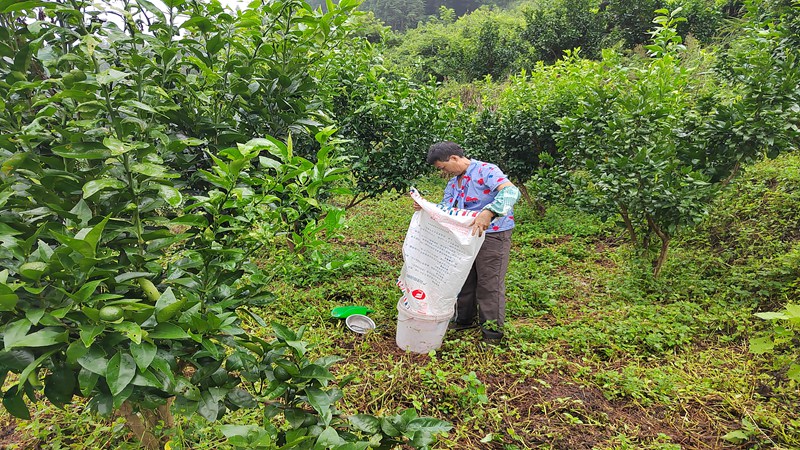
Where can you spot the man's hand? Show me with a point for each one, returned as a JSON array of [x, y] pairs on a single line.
[[416, 205], [481, 222]]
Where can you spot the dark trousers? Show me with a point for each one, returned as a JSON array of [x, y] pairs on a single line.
[[484, 292]]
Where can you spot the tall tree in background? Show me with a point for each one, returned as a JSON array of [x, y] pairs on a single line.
[[398, 14]]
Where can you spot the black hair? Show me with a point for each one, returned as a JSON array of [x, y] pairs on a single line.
[[442, 151]]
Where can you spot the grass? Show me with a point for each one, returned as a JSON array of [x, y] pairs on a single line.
[[598, 355]]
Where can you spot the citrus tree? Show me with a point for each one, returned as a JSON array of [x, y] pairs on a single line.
[[628, 145], [128, 229], [519, 130]]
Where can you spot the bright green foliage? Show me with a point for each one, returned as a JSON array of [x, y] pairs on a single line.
[[296, 389], [704, 18], [786, 326], [759, 107], [630, 21], [389, 122], [627, 141], [564, 25], [397, 14], [130, 212], [484, 42], [519, 131], [500, 42]]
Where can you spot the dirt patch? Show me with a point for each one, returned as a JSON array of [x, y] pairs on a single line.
[[554, 410], [8, 435]]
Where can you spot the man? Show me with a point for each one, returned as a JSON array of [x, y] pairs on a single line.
[[480, 186]]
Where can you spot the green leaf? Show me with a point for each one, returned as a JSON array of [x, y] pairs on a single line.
[[33, 270], [86, 291], [794, 372], [94, 361], [192, 220], [315, 372], [389, 427], [78, 245], [15, 331], [87, 380], [95, 186], [42, 338], [15, 404], [111, 76], [116, 146], [75, 351], [283, 333], [92, 237], [761, 345], [89, 332], [82, 150], [165, 305], [103, 403], [170, 195], [366, 423], [32, 367], [276, 389], [8, 299], [120, 372], [151, 170], [121, 278], [737, 437], [247, 436], [9, 6], [429, 425], [60, 385], [300, 346], [168, 331], [143, 353], [329, 438], [131, 330], [16, 360], [208, 406], [321, 402], [241, 398]]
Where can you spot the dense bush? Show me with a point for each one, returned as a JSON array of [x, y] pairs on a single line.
[[137, 182], [501, 42], [485, 42], [563, 25], [518, 130]]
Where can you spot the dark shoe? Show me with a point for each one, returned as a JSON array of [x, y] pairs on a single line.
[[455, 326]]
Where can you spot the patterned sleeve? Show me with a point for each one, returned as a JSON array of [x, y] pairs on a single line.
[[494, 177]]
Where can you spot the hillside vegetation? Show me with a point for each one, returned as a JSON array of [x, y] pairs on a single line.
[[598, 353]]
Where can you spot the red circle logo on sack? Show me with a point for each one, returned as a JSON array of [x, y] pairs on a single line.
[[418, 294]]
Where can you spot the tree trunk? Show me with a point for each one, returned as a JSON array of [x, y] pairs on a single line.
[[139, 427], [623, 210], [143, 423], [662, 256], [355, 200], [525, 194]]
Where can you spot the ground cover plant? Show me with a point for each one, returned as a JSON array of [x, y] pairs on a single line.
[[599, 353]]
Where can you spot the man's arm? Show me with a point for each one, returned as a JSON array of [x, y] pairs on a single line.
[[507, 196]]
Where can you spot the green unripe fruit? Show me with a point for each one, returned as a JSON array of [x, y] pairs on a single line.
[[281, 374], [74, 76], [149, 289], [111, 313]]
